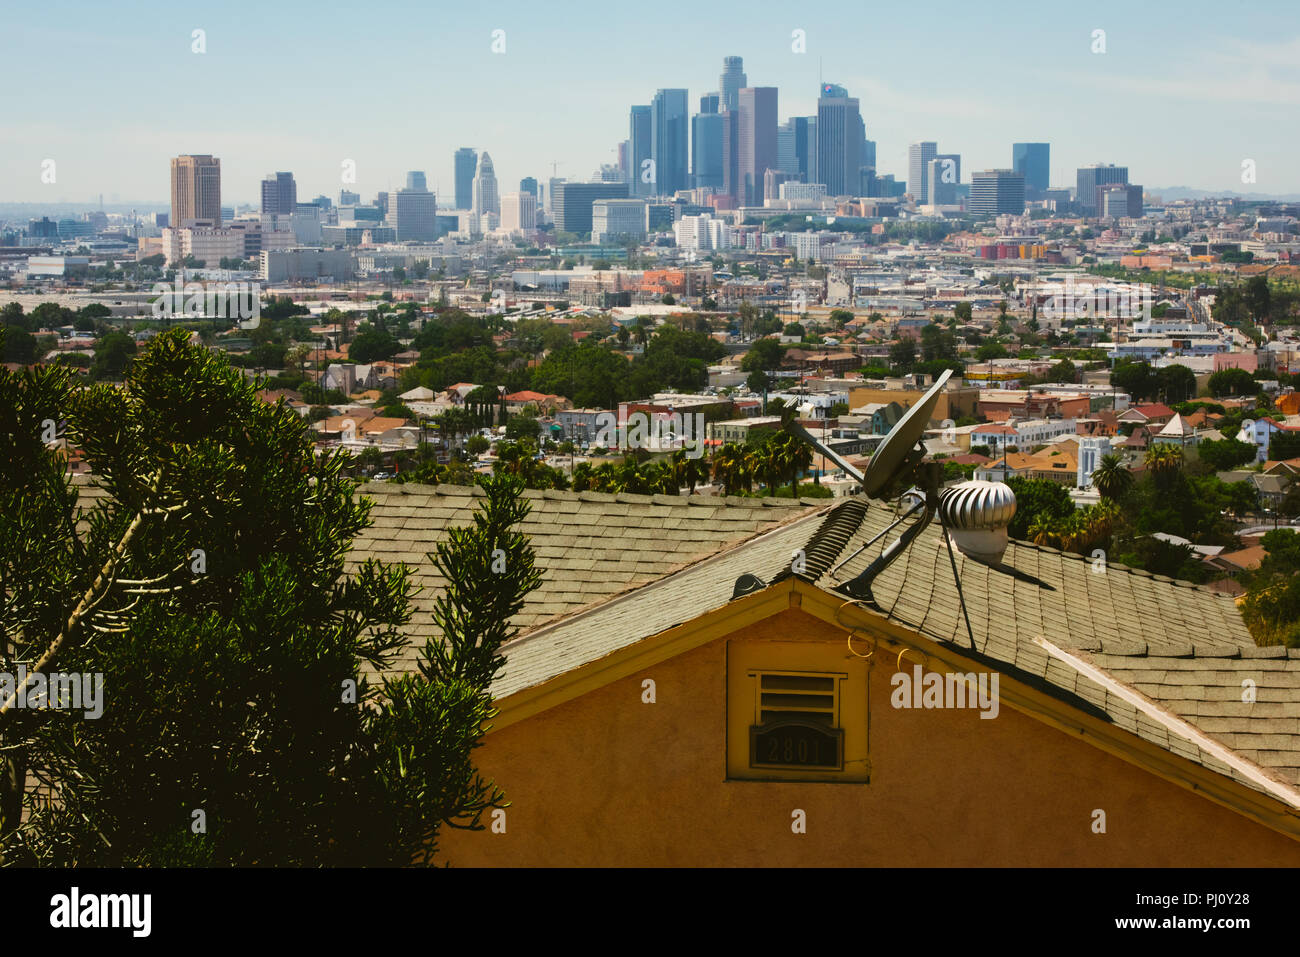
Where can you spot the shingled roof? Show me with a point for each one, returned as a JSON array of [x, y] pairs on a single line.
[[589, 546], [1169, 656]]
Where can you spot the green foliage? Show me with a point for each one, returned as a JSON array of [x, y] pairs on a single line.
[[1035, 499], [372, 345], [236, 675], [113, 354], [1232, 382], [1226, 454], [1272, 605]]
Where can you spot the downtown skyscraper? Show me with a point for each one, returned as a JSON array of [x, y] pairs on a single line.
[[1033, 161], [706, 144], [486, 197], [196, 190], [466, 163], [918, 168], [669, 122], [755, 141], [840, 134], [730, 83], [638, 152], [279, 194]]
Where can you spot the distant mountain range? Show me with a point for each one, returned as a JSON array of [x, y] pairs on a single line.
[[1171, 193]]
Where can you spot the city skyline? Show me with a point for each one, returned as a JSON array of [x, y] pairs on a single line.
[[1091, 107]]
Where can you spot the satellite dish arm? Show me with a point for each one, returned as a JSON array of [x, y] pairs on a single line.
[[794, 428]]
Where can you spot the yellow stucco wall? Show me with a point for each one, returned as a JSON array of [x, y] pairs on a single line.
[[605, 779]]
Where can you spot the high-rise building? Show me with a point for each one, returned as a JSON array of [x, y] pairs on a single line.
[[1119, 201], [706, 149], [669, 120], [529, 185], [466, 163], [571, 203], [801, 134], [617, 219], [413, 213], [786, 160], [918, 160], [638, 151], [1090, 177], [551, 185], [942, 177], [756, 129], [486, 198], [996, 191], [196, 190], [710, 103], [279, 194], [1033, 160], [519, 211], [415, 180], [346, 198], [732, 81], [868, 151], [840, 132]]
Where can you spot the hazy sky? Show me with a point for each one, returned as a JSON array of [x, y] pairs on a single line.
[[1183, 93]]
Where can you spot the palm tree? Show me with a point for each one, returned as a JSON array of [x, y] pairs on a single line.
[[731, 468], [1042, 531], [1164, 460], [800, 456], [1111, 478]]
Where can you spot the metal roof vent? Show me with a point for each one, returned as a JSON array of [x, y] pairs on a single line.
[[977, 514]]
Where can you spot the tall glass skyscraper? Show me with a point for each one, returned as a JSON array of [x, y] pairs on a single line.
[[840, 134], [466, 163], [669, 119], [731, 82], [1032, 159], [639, 150], [918, 166], [756, 127]]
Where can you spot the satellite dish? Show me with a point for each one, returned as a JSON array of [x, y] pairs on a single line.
[[898, 455]]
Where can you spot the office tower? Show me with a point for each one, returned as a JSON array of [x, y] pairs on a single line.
[[279, 194], [996, 191], [668, 141], [529, 185], [381, 201], [731, 82], [918, 159], [868, 152], [786, 161], [710, 103], [617, 220], [519, 211], [466, 163], [624, 163], [551, 186], [731, 184], [415, 180], [1119, 201], [346, 198], [196, 190], [1032, 159], [942, 177], [756, 126], [706, 150], [800, 133], [1090, 177], [639, 150], [840, 132], [414, 213], [571, 203], [486, 199]]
